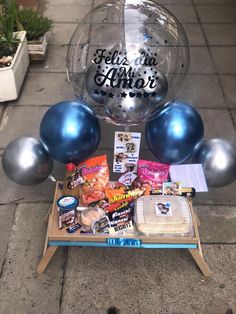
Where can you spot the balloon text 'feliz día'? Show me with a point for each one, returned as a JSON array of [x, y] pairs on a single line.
[[116, 58], [122, 75]]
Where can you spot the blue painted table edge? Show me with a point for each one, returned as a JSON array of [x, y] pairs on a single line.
[[138, 244]]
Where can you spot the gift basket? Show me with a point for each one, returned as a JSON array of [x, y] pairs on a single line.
[[142, 202]]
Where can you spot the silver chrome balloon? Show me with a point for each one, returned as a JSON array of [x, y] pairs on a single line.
[[99, 95], [26, 162], [218, 158], [127, 110], [158, 87]]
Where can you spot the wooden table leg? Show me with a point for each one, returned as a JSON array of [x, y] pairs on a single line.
[[197, 220], [196, 254], [50, 251], [47, 216]]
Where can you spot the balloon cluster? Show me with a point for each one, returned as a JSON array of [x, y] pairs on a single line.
[[69, 132], [125, 62], [175, 134]]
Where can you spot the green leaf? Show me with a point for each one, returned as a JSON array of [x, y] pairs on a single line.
[[35, 24]]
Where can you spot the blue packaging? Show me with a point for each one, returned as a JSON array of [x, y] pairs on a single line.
[[67, 203]]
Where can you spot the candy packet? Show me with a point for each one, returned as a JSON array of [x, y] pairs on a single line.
[[121, 220], [101, 225], [89, 217], [66, 219], [128, 178], [95, 173], [122, 194], [152, 174]]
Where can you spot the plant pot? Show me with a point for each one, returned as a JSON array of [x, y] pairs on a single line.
[[38, 49], [12, 77]]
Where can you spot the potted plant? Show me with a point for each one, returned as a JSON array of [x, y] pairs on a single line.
[[36, 27], [14, 57]]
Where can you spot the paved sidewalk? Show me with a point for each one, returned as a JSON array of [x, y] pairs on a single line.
[[92, 280]]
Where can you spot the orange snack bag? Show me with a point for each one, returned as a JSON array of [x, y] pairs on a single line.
[[110, 193], [96, 175]]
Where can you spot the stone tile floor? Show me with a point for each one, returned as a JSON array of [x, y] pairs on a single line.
[[134, 281]]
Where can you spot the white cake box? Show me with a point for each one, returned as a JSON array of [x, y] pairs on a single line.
[[12, 77], [163, 215]]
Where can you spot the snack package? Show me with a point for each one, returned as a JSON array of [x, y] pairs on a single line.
[[125, 208], [89, 217], [95, 173], [66, 211], [113, 189], [121, 220], [101, 225], [122, 194], [152, 174], [122, 226], [66, 219], [72, 180], [128, 178]]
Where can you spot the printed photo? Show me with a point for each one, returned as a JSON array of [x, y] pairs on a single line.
[[124, 137], [171, 188], [163, 209], [130, 147]]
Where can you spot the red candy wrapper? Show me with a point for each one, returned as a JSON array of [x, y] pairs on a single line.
[[153, 174]]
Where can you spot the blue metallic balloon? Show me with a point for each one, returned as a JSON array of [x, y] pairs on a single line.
[[70, 131], [174, 132]]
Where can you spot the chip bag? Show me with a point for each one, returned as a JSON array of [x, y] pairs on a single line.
[[152, 174], [96, 175]]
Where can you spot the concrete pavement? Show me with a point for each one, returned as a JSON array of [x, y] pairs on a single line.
[[92, 280]]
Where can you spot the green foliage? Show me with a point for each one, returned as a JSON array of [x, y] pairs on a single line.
[[34, 24], [8, 14]]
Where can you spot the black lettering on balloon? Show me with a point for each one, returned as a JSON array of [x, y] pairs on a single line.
[[152, 82], [145, 59], [124, 72], [114, 71], [100, 56], [101, 79], [114, 58], [140, 83]]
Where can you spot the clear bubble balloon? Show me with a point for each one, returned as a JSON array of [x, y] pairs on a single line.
[[127, 54]]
